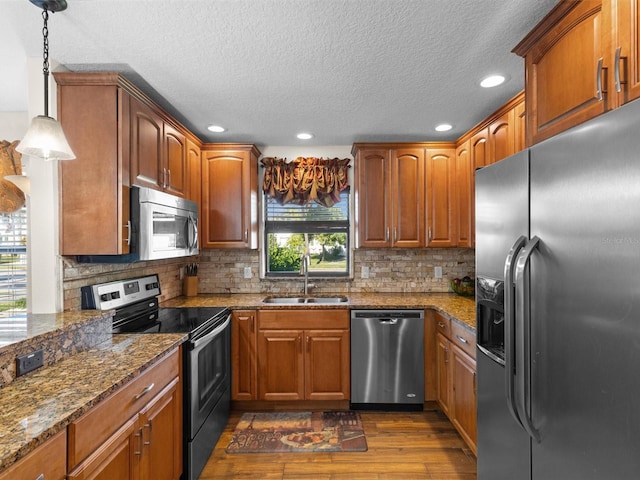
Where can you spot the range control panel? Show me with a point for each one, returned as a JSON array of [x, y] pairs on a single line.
[[108, 296]]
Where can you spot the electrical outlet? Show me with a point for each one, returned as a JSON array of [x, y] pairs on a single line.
[[364, 273], [29, 362], [437, 272], [247, 272]]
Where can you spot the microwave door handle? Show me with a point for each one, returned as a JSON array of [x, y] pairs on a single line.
[[193, 233], [509, 325], [523, 320]]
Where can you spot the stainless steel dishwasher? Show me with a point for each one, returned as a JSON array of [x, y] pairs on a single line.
[[387, 359]]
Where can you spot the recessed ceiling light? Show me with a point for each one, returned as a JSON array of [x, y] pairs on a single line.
[[304, 136], [492, 81], [443, 127], [216, 128]]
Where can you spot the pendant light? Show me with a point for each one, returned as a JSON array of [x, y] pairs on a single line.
[[45, 138]]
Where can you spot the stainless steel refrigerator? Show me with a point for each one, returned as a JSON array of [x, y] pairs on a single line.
[[558, 303]]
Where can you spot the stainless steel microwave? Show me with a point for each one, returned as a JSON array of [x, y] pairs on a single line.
[[163, 225]]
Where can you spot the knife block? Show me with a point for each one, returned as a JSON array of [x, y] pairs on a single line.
[[190, 286]]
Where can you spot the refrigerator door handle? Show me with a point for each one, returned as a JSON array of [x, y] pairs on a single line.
[[523, 324], [509, 326]]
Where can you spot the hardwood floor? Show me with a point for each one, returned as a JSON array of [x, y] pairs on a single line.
[[402, 445]]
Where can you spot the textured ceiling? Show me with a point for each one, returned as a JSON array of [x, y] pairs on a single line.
[[345, 70]]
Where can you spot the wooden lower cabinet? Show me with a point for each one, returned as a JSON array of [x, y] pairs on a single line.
[[310, 363], [455, 368], [244, 363], [136, 433], [46, 462]]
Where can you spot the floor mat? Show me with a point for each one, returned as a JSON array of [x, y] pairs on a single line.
[[332, 431]]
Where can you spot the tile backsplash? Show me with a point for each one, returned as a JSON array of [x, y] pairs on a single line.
[[222, 271]]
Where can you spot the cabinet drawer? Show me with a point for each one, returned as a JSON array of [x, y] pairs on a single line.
[[102, 421], [48, 461], [303, 319], [463, 338], [443, 325]]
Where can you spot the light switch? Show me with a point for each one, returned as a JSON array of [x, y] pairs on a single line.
[[247, 272], [364, 273], [437, 272]]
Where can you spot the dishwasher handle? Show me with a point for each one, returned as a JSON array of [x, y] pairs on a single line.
[[388, 321]]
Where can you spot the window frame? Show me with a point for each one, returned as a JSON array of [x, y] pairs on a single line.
[[344, 226]]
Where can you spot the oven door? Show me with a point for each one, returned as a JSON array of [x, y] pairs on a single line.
[[209, 371]]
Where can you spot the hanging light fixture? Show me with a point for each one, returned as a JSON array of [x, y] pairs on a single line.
[[45, 138]]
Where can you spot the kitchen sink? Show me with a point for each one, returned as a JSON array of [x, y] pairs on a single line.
[[294, 300]]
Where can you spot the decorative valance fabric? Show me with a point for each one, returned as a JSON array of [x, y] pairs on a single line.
[[305, 180]]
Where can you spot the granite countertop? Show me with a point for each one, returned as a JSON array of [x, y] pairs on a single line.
[[38, 405], [458, 308]]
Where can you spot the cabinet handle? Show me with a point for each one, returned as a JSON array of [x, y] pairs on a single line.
[[429, 239], [128, 227], [139, 435], [308, 344], [599, 80], [441, 325], [164, 178], [246, 236], [616, 70], [395, 234], [300, 343], [461, 339], [40, 477], [386, 235], [149, 426], [144, 392], [446, 355]]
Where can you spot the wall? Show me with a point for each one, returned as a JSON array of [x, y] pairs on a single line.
[[391, 270]]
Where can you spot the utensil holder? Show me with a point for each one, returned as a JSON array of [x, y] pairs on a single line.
[[190, 286]]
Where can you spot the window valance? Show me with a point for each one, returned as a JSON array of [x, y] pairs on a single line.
[[305, 180]]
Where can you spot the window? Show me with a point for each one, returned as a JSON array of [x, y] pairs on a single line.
[[291, 230]]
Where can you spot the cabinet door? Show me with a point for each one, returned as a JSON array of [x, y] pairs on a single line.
[[118, 457], [502, 137], [520, 127], [443, 392], [280, 365], [479, 149], [161, 435], [628, 29], [407, 197], [194, 183], [244, 364], [327, 365], [227, 202], [174, 165], [373, 198], [465, 196], [441, 171], [146, 146], [46, 462], [566, 73], [463, 379]]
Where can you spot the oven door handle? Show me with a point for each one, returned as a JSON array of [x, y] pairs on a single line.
[[196, 343]]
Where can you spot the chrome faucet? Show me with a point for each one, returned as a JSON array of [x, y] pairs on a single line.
[[304, 270]]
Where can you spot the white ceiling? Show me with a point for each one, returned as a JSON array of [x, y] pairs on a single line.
[[345, 70]]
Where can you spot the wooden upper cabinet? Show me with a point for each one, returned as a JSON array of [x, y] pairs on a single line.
[[441, 179], [479, 148], [158, 153], [229, 213], [625, 23], [502, 137], [194, 184], [174, 169], [567, 66], [390, 196], [94, 112], [407, 197], [146, 152], [373, 194], [465, 200]]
